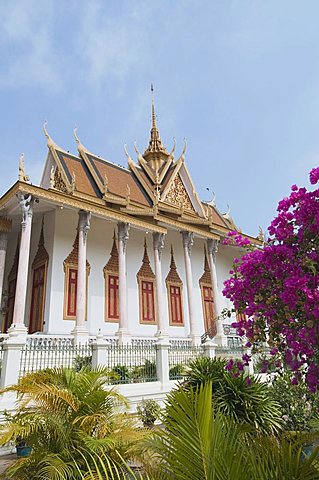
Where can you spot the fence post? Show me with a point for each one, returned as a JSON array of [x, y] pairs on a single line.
[[12, 350], [99, 347], [250, 368], [162, 364], [209, 348]]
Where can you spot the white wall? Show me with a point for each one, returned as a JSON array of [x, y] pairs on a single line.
[[60, 232]]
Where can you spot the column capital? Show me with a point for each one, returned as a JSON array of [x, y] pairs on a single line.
[[84, 223], [26, 207], [212, 247], [188, 240], [123, 234], [158, 242]]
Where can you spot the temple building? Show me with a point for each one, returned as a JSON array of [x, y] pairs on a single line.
[[132, 253]]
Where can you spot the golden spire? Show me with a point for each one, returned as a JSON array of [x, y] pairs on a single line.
[[155, 144]]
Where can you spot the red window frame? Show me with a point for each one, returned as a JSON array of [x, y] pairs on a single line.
[[113, 297], [72, 291], [147, 301], [175, 299], [208, 306]]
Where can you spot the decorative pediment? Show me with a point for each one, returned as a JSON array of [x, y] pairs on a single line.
[[73, 258], [42, 256], [178, 196], [145, 271], [112, 265], [206, 277], [173, 276]]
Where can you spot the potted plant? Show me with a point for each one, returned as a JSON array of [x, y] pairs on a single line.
[[23, 450], [148, 411]]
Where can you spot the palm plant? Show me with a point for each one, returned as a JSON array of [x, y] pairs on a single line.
[[199, 442], [242, 398], [62, 412]]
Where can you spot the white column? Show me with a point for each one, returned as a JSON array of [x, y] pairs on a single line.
[[18, 326], [123, 236], [80, 331], [162, 321], [188, 240], [5, 227], [212, 248]]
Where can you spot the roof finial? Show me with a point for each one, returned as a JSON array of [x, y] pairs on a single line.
[[153, 109], [22, 176]]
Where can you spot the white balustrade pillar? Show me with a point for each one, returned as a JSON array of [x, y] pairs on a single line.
[[162, 362], [5, 228], [162, 321], [80, 331], [212, 249], [100, 348], [123, 236], [194, 333], [18, 326]]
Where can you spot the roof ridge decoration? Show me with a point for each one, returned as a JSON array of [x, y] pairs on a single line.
[[42, 255], [58, 178], [22, 175], [113, 263], [146, 270], [173, 276]]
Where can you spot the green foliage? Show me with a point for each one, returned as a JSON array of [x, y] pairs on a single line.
[[148, 411], [82, 362], [102, 468], [120, 374], [299, 407], [139, 373], [241, 398], [176, 372], [66, 416], [199, 442]]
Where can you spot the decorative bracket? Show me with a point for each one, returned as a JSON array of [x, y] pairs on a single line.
[[84, 223], [158, 239], [212, 248], [188, 241], [123, 234], [26, 207]]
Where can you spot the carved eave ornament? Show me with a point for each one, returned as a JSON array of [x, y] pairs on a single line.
[[206, 278]]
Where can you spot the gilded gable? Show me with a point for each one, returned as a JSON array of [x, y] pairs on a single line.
[[178, 196]]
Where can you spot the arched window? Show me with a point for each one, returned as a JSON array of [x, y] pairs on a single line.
[[70, 281], [205, 283], [111, 279], [146, 289], [174, 287], [39, 277]]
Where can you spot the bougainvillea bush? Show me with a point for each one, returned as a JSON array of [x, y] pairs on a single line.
[[276, 287]]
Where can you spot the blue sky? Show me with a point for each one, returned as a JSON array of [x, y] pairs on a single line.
[[238, 78]]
